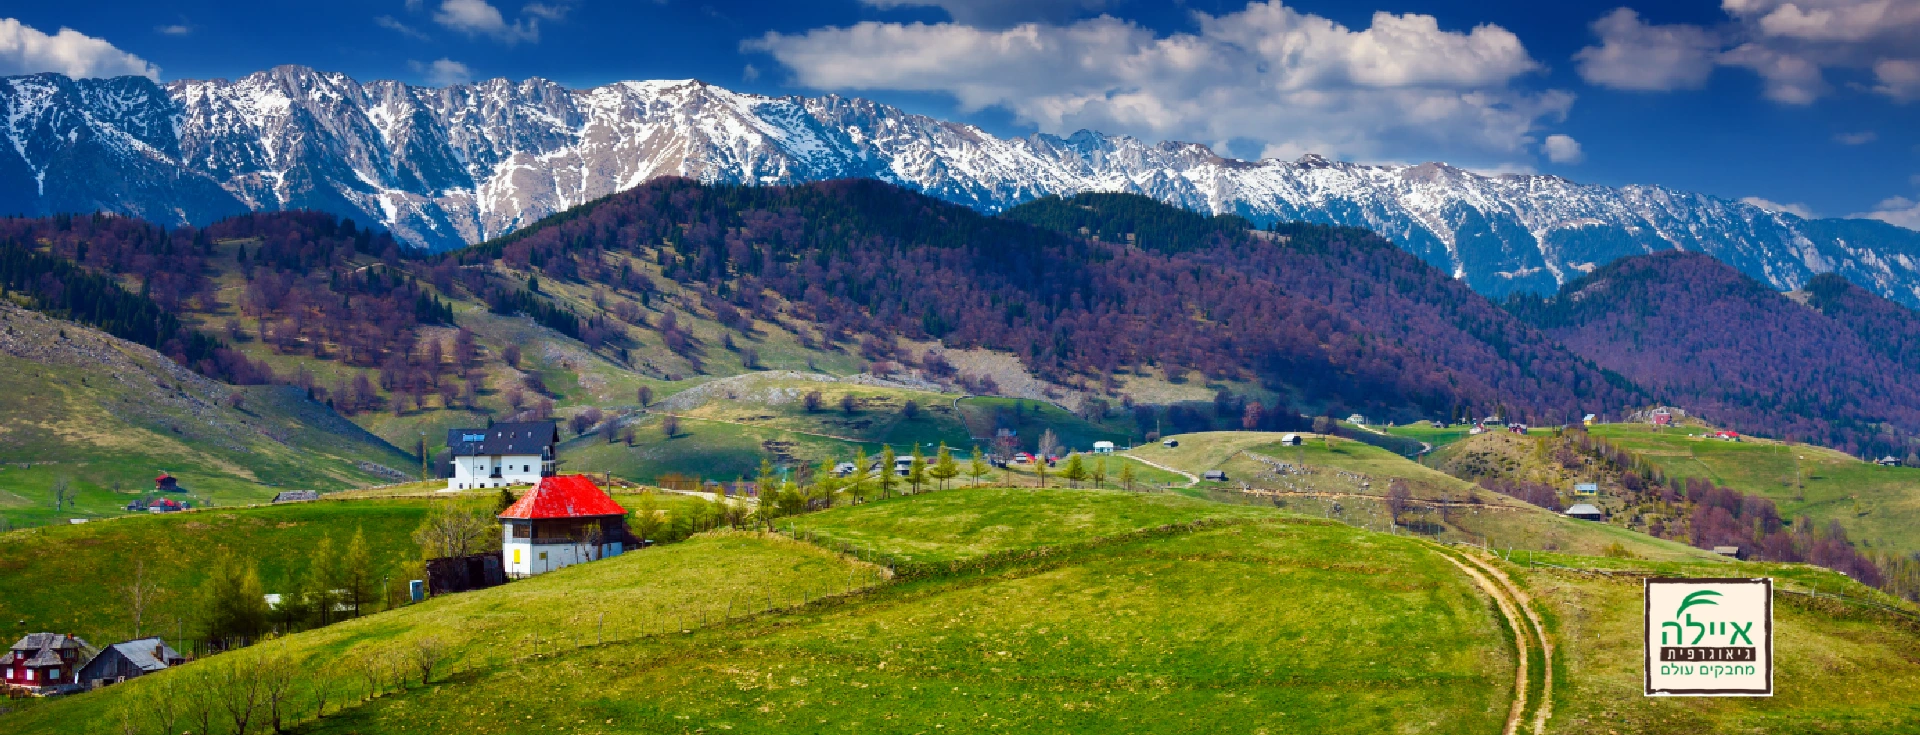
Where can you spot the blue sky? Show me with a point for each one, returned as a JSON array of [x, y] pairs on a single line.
[[1810, 104]]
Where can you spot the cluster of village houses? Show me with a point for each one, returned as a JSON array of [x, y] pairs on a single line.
[[48, 663]]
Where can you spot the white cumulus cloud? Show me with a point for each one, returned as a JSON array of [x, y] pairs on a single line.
[[1792, 45], [479, 18], [443, 72], [1800, 210], [26, 50], [1266, 78], [1899, 79], [1899, 211], [1563, 149], [1635, 55]]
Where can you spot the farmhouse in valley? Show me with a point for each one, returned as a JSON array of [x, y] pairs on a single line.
[[122, 661], [565, 520], [43, 661], [502, 455]]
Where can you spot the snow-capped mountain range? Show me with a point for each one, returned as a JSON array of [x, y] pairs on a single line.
[[445, 167]]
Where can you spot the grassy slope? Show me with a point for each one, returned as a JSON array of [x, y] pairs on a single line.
[[111, 415], [1879, 506], [1166, 635], [1282, 625], [958, 524], [68, 578], [1350, 467], [1839, 668]]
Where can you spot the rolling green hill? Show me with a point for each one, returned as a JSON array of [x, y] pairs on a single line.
[[1349, 480], [1090, 611], [73, 578], [1879, 506], [107, 416]]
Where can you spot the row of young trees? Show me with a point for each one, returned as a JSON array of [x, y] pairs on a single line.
[[271, 690], [338, 584]]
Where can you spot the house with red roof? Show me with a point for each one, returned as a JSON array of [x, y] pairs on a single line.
[[563, 521]]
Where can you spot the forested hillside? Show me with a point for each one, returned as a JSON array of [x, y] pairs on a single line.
[[650, 291], [1696, 333], [1336, 319]]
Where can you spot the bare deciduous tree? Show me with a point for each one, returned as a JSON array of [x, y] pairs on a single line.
[[239, 688], [162, 699], [140, 593], [453, 530], [201, 700], [427, 655], [320, 687], [670, 425], [62, 491], [276, 678]]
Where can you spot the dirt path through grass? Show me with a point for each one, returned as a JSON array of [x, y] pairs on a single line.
[[1527, 626], [1514, 620], [1525, 601], [1191, 480]]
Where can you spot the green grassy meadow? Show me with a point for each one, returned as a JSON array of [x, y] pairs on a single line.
[[1348, 480], [1879, 506], [108, 417], [1839, 667], [1258, 621], [967, 523], [71, 578]]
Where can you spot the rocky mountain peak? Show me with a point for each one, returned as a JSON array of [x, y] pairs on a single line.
[[449, 166]]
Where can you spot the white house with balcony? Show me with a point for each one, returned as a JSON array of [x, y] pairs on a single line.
[[501, 455]]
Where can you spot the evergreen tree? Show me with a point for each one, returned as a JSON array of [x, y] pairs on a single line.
[[944, 468], [357, 575], [887, 476], [1076, 469], [917, 470], [1098, 472], [1126, 475], [234, 601], [857, 482], [646, 517], [977, 467]]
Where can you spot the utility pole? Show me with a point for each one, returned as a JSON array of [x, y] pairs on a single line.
[[423, 456]]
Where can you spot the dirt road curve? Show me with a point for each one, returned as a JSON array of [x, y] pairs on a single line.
[[1528, 633]]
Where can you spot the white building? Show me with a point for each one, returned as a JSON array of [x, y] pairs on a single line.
[[561, 522], [501, 455], [1103, 447]]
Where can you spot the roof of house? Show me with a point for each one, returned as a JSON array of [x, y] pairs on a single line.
[[46, 648], [564, 496], [1583, 509], [140, 653], [532, 437], [39, 641], [295, 495]]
